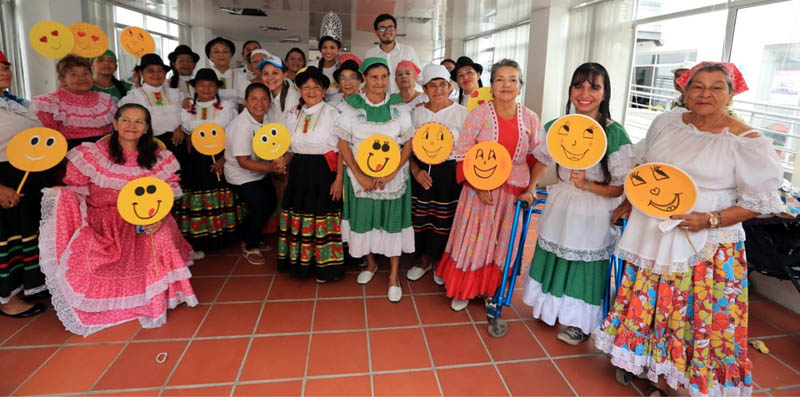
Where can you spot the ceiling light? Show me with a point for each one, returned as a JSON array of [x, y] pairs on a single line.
[[273, 28]]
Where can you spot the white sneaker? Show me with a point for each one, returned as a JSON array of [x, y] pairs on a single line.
[[395, 293], [199, 255], [365, 276], [437, 279], [458, 305], [417, 272]]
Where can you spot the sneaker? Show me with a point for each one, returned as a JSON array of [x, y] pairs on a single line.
[[572, 335], [417, 272], [254, 257], [261, 246], [458, 305], [395, 294], [199, 255]]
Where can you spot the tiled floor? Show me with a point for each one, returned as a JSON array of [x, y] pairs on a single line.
[[261, 333]]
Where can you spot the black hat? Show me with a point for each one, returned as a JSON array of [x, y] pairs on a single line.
[[465, 61], [347, 65], [326, 38], [312, 72], [220, 39], [206, 74], [183, 49], [151, 59]]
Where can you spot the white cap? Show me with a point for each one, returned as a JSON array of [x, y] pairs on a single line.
[[684, 65], [434, 71], [260, 51]]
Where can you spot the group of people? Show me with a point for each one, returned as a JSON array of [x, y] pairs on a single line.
[[680, 315]]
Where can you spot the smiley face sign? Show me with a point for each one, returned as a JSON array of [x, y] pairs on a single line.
[[432, 143], [36, 149], [51, 39], [478, 97], [660, 190], [208, 138], [137, 41], [145, 201], [271, 141], [576, 141], [378, 156], [90, 41], [487, 165]]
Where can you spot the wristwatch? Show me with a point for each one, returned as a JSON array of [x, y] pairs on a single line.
[[714, 220]]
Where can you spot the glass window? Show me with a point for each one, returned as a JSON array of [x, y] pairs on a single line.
[[174, 30], [156, 25], [510, 43], [128, 17], [651, 8]]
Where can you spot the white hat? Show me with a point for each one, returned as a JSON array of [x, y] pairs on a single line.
[[260, 51], [434, 71], [684, 65]]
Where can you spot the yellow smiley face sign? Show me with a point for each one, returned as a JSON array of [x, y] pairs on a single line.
[[208, 138], [660, 190], [487, 165], [137, 41], [378, 156], [90, 41], [51, 39], [36, 149], [478, 97], [432, 143], [145, 201], [271, 141], [576, 141]]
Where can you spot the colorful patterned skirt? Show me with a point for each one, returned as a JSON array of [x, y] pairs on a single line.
[[472, 263], [310, 238], [377, 226], [208, 213], [433, 209], [690, 328], [19, 235]]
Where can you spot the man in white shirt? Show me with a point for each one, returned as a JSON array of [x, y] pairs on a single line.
[[385, 29]]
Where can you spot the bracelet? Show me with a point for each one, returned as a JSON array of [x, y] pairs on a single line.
[[719, 219]]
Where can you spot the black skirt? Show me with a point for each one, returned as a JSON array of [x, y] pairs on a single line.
[[310, 239], [433, 209]]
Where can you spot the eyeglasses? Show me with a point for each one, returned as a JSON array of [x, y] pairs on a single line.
[[383, 29], [348, 78]]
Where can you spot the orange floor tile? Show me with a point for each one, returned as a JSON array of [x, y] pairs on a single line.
[[260, 333]]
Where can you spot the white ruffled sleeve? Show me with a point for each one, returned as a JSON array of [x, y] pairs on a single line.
[[406, 125], [344, 124], [541, 152], [758, 175]]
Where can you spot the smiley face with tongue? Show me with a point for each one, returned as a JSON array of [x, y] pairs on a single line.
[[145, 201], [378, 156]]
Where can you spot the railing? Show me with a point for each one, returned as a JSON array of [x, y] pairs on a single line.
[[646, 102]]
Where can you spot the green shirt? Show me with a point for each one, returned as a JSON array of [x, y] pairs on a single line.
[[112, 91]]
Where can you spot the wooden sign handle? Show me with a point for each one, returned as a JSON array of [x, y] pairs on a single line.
[[24, 177]]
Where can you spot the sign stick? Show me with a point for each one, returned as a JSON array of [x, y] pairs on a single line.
[[155, 263], [214, 159], [24, 177]]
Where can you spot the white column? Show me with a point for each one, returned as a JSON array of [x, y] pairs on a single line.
[[546, 58]]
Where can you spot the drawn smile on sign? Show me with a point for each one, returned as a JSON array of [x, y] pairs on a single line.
[[432, 143], [660, 190], [576, 141], [382, 148], [485, 172], [152, 211], [378, 156]]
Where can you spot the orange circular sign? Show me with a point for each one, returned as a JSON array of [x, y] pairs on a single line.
[[487, 165], [660, 190]]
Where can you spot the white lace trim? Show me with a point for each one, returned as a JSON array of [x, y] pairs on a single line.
[[636, 364], [402, 176], [620, 163], [166, 166], [762, 203], [27, 292], [96, 116], [575, 254], [378, 241], [564, 310], [715, 238]]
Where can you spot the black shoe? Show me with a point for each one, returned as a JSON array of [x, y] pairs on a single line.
[[44, 294], [35, 310]]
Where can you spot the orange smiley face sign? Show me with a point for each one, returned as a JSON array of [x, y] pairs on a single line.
[[51, 39], [90, 41], [660, 190], [36, 149], [576, 141], [145, 201], [432, 143], [208, 138], [378, 156], [487, 165], [137, 41], [478, 97]]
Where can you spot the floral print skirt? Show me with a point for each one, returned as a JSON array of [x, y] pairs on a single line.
[[690, 328]]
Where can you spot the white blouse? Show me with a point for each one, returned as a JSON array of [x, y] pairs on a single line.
[[729, 170], [452, 117], [14, 118], [164, 104], [352, 126], [320, 136], [276, 112], [239, 142], [204, 111], [186, 89], [235, 84]]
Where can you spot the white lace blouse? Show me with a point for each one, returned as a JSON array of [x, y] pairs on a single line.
[[164, 104], [729, 170], [320, 136]]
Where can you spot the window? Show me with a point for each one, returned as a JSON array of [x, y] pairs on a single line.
[[9, 40]]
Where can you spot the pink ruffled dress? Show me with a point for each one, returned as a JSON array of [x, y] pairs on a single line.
[[76, 116], [99, 270]]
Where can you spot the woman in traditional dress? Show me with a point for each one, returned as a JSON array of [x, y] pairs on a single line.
[[434, 190], [377, 211], [681, 312], [99, 270], [472, 264], [162, 103], [348, 79], [207, 213], [75, 110], [19, 213], [247, 175], [295, 60], [283, 95], [468, 76], [575, 235], [105, 66], [183, 61], [310, 240], [234, 81], [406, 76]]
